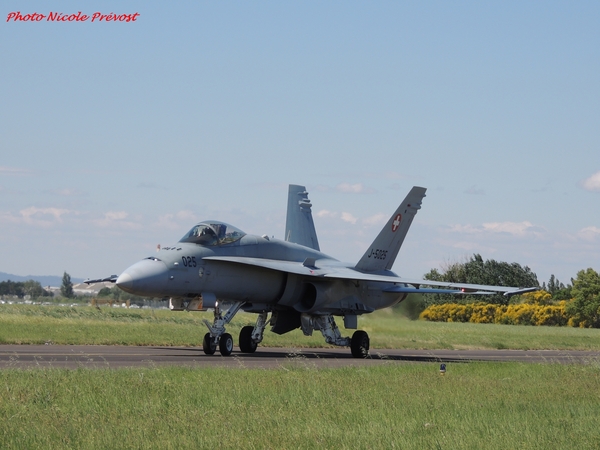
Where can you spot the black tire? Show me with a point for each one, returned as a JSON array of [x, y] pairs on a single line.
[[226, 344], [208, 345], [247, 345], [359, 345]]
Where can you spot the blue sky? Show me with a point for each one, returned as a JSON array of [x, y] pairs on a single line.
[[115, 137]]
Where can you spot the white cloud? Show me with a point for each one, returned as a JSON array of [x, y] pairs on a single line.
[[344, 216], [469, 229], [39, 216], [357, 188], [347, 217], [592, 183], [377, 219], [13, 171], [116, 219], [326, 214], [589, 233], [514, 228], [115, 215]]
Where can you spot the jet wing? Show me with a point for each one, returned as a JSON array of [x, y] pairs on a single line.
[[309, 269], [420, 290], [274, 264], [457, 288]]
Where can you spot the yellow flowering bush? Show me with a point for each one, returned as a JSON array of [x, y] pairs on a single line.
[[484, 313], [521, 314], [447, 312], [537, 298], [552, 315], [516, 315]]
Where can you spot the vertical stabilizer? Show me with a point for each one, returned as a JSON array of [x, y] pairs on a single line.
[[384, 249], [299, 225]]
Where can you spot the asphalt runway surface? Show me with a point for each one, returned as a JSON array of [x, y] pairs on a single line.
[[95, 356]]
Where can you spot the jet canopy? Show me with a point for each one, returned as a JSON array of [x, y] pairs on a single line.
[[212, 233]]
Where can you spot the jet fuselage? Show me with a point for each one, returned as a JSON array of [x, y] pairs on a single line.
[[185, 271]]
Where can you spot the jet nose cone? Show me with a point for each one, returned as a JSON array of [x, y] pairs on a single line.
[[147, 277], [125, 282]]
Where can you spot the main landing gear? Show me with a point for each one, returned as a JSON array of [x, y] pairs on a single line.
[[251, 336], [359, 343]]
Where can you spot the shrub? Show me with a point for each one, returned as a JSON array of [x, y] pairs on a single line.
[[537, 298], [522, 314], [584, 309]]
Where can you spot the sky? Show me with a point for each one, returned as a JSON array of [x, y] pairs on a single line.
[[118, 136]]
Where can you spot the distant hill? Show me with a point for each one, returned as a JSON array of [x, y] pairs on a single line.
[[47, 280]]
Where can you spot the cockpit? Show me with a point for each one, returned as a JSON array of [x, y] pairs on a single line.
[[212, 233]]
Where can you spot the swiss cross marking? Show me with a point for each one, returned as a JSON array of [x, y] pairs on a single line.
[[396, 222]]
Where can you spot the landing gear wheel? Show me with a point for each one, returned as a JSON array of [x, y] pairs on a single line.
[[247, 345], [359, 345], [208, 345], [226, 344]]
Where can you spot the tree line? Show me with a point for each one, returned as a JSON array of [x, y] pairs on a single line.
[[581, 295], [20, 289], [34, 290]]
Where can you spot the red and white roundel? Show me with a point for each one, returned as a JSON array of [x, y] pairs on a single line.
[[396, 222]]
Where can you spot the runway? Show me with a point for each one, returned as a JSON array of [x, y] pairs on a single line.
[[93, 356]]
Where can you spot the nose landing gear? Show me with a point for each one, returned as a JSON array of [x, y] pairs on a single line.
[[216, 335], [226, 344], [209, 345]]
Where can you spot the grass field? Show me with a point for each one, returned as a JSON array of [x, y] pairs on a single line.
[[397, 405], [407, 406], [26, 324]]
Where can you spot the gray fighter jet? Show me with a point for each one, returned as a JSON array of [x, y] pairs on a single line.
[[217, 266]]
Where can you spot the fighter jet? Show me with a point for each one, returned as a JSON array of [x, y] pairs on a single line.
[[288, 283]]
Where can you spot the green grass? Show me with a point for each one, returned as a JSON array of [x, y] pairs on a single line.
[[408, 406], [397, 405], [27, 324]]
